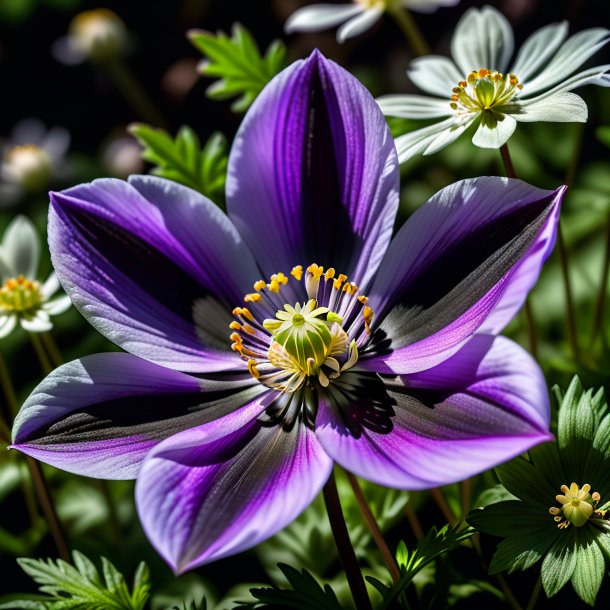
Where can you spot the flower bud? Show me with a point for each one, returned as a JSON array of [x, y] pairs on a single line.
[[99, 34]]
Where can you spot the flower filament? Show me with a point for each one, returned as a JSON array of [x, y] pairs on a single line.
[[484, 90], [577, 506], [309, 343], [20, 295]]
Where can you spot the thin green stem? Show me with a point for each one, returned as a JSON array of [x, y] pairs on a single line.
[[344, 545], [529, 314], [531, 604], [132, 91], [409, 28], [41, 354], [373, 526], [598, 316], [7, 387], [52, 349]]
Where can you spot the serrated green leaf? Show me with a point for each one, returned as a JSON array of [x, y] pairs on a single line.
[[526, 482], [182, 159], [238, 64], [559, 563], [590, 567], [522, 551], [80, 587], [506, 518]]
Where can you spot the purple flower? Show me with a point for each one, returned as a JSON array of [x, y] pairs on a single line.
[[238, 393]]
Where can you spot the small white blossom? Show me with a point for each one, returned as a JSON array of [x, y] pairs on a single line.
[[353, 18], [23, 300], [31, 157], [477, 89]]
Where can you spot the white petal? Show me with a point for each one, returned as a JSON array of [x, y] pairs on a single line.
[[320, 17], [359, 24], [40, 323], [7, 324], [448, 136], [5, 270], [58, 305], [414, 106], [21, 247], [495, 136], [427, 6], [56, 142], [597, 75], [572, 54], [51, 286], [538, 49], [482, 39], [417, 142], [28, 131], [561, 107], [435, 74]]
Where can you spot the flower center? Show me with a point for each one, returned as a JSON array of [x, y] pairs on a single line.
[[577, 505], [29, 165], [20, 295], [301, 330], [484, 90]]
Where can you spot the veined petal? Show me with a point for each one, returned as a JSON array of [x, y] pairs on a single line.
[[100, 415], [51, 286], [561, 107], [414, 106], [483, 38], [7, 324], [21, 248], [450, 266], [217, 490], [38, 323], [485, 405], [138, 259], [572, 54], [435, 74], [424, 140], [320, 17], [427, 6], [537, 50], [597, 75], [359, 24], [315, 154], [494, 131], [58, 305]]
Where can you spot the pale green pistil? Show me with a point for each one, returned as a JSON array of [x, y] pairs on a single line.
[[577, 505]]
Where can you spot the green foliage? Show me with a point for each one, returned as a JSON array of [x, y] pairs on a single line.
[[305, 594], [238, 64], [183, 160], [202, 605], [81, 587], [410, 564]]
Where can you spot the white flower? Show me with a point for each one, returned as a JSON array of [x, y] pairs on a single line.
[[23, 300], [31, 156], [354, 18], [476, 88]]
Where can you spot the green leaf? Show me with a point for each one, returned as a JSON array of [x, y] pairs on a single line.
[[434, 544], [81, 586], [522, 551], [238, 64], [509, 517], [590, 566], [202, 605], [402, 554], [526, 482], [559, 563], [305, 594], [183, 160]]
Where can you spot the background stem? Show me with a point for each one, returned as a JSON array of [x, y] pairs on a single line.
[[344, 545], [409, 28]]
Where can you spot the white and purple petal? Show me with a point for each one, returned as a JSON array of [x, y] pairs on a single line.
[[100, 415], [435, 74], [474, 249], [222, 488], [139, 258], [483, 406], [316, 157]]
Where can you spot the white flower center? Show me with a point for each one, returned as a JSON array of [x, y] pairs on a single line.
[[484, 90], [29, 166]]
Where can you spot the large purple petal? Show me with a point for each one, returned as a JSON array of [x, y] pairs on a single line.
[[154, 266], [483, 406], [222, 488], [100, 415], [313, 174], [462, 263]]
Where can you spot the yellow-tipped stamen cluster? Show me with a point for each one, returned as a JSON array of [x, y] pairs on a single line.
[[305, 343], [577, 506], [484, 90], [20, 295]]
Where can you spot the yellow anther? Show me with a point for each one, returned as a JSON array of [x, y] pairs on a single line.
[[483, 72], [340, 279], [457, 90], [246, 314], [237, 347], [260, 285], [252, 369], [237, 311], [248, 329], [297, 272], [235, 337], [367, 314], [316, 271], [279, 277], [364, 300], [253, 297], [463, 84], [274, 286], [330, 274], [235, 325]]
